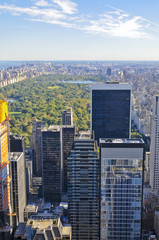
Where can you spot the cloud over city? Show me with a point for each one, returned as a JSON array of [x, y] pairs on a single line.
[[112, 22]]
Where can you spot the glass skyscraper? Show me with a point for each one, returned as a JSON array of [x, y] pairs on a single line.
[[83, 188], [121, 188], [111, 110]]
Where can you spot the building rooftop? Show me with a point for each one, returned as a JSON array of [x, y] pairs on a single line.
[[31, 208], [41, 224], [16, 137], [126, 140], [56, 128], [14, 156], [111, 86], [84, 135], [66, 231]]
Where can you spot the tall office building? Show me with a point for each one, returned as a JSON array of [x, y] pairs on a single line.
[[68, 135], [147, 168], [4, 161], [35, 144], [5, 204], [17, 162], [52, 165], [29, 171], [56, 144], [17, 143], [67, 117], [109, 71], [111, 110], [154, 147], [83, 188], [121, 188]]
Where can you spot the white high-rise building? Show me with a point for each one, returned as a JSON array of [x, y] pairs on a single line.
[[154, 148], [121, 188]]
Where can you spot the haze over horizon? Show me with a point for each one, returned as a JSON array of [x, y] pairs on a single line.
[[61, 30]]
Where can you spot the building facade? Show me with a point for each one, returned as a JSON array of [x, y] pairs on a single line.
[[56, 144], [68, 135], [121, 188], [111, 110], [4, 159], [35, 144], [67, 117], [147, 168], [52, 165], [5, 180], [19, 197], [154, 147], [17, 144], [83, 189]]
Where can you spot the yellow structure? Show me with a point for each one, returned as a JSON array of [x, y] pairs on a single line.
[[4, 162], [3, 111]]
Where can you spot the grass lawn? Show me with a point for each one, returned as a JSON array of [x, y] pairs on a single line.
[[53, 87], [15, 113]]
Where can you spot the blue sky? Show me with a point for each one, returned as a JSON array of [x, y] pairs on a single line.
[[79, 30]]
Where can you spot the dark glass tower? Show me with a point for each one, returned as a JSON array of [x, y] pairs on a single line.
[[35, 144], [56, 146], [111, 110], [52, 185], [83, 189], [68, 134], [17, 144]]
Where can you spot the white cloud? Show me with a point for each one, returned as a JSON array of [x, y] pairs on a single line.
[[42, 3], [114, 23], [67, 6], [34, 12]]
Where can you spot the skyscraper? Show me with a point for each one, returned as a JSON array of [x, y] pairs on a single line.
[[67, 117], [68, 135], [35, 144], [154, 148], [56, 144], [111, 110], [83, 188], [121, 188], [17, 144], [4, 161], [17, 162], [5, 205], [109, 71], [52, 165]]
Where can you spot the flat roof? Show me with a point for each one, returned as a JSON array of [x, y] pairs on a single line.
[[125, 140], [40, 224], [16, 137], [30, 208], [66, 230], [57, 128], [111, 86], [14, 156]]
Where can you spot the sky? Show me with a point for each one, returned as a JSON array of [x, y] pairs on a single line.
[[79, 30]]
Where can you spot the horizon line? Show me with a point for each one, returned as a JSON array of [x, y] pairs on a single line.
[[75, 60]]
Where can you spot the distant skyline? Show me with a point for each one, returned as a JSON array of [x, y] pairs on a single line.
[[79, 30]]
